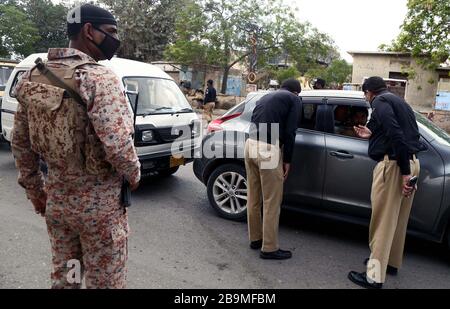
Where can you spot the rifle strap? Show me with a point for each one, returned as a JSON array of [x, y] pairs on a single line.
[[57, 82]]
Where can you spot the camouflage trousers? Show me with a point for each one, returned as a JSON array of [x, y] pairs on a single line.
[[88, 230]]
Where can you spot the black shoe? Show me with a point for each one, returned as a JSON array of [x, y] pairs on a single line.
[[390, 269], [276, 255], [256, 245], [361, 280]]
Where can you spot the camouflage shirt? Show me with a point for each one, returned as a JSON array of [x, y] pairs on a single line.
[[110, 115]]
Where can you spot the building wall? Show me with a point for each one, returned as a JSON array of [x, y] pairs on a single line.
[[420, 93]]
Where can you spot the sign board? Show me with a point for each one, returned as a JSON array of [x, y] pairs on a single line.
[[443, 101], [443, 95]]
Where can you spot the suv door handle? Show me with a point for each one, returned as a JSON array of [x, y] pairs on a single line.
[[342, 154]]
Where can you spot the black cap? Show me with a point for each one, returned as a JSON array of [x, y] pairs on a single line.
[[292, 85], [374, 84], [87, 13]]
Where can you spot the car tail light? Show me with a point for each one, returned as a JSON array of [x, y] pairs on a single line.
[[216, 125]]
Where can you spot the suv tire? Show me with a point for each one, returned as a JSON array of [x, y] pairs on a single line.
[[227, 191]]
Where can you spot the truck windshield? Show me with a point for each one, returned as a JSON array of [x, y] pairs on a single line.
[[157, 96], [5, 73]]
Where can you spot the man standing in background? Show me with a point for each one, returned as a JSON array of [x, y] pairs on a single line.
[[210, 101]]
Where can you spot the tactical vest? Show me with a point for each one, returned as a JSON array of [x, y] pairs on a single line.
[[59, 128]]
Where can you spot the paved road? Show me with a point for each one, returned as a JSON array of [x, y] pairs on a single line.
[[178, 241]]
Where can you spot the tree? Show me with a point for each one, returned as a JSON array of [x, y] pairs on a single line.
[[284, 74], [50, 21], [425, 32], [146, 26], [188, 47], [336, 74], [220, 32], [18, 33]]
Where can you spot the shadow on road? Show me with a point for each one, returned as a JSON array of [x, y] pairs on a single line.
[[158, 185], [342, 231]]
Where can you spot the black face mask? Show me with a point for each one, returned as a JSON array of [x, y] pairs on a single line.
[[109, 46]]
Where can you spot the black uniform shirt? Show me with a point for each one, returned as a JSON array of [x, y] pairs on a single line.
[[210, 95], [394, 131], [280, 107]]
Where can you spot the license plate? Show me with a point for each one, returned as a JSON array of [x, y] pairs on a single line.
[[176, 161]]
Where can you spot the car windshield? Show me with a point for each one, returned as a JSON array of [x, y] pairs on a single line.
[[157, 96], [437, 133]]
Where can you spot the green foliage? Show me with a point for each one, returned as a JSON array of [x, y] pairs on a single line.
[[18, 34], [218, 32], [336, 74], [284, 74], [50, 21], [31, 26], [146, 27], [425, 32], [187, 47]]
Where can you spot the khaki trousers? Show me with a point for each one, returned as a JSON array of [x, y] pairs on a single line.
[[390, 215], [208, 111], [265, 179]]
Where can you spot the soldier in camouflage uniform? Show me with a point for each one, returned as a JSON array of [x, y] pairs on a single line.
[[88, 148]]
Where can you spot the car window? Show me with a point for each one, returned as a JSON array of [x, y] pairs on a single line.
[[12, 91], [308, 116], [346, 117]]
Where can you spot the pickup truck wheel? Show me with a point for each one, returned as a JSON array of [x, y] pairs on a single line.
[[227, 192]]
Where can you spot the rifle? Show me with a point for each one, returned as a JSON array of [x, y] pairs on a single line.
[[126, 189]]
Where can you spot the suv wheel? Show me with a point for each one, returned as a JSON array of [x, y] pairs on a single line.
[[227, 191]]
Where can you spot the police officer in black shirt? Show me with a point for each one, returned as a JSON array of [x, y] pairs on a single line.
[[393, 142], [268, 156]]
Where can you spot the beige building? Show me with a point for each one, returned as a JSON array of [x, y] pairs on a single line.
[[420, 91]]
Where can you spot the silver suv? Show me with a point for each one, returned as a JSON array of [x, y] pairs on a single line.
[[331, 172]]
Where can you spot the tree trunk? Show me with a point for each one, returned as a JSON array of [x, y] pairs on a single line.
[[226, 73]]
